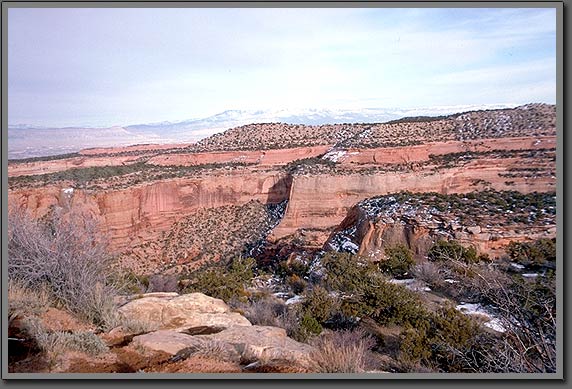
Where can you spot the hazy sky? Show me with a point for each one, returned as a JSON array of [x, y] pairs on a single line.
[[103, 67]]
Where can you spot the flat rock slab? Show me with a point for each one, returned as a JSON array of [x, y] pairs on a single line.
[[167, 341], [264, 343], [247, 344]]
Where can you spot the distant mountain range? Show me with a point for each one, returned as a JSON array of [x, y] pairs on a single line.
[[31, 141]]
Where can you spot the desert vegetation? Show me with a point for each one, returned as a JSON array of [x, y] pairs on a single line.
[[118, 176], [209, 235], [354, 313], [66, 256], [473, 208]]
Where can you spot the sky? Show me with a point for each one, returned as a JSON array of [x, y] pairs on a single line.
[[104, 67]]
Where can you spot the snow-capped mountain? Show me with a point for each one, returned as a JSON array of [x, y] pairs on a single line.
[[194, 129]]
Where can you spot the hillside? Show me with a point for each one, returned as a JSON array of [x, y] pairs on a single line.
[[527, 120]]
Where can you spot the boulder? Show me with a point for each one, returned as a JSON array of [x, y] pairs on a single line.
[[146, 309], [183, 312]]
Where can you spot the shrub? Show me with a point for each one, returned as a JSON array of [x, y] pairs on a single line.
[[263, 312], [431, 273], [389, 303], [310, 325], [528, 311], [452, 251], [289, 319], [438, 340], [342, 352], [162, 283], [25, 301], [414, 346], [132, 283], [293, 268], [365, 292], [66, 254], [224, 282], [533, 253], [398, 260], [296, 283], [345, 272], [319, 304], [59, 341]]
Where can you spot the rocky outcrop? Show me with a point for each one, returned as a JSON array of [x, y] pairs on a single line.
[[245, 344], [184, 312], [170, 342], [196, 323], [137, 214], [488, 220]]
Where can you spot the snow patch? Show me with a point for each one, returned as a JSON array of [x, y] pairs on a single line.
[[517, 266], [495, 324], [350, 246], [476, 309], [405, 281], [294, 300], [530, 275], [335, 155], [68, 191]]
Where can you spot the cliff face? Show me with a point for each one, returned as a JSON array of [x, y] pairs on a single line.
[[322, 200], [142, 212], [316, 200]]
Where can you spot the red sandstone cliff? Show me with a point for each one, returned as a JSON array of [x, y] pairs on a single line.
[[140, 213]]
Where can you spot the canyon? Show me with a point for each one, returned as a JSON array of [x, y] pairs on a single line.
[[320, 179]]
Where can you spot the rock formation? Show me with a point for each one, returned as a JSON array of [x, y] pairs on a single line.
[[193, 322], [488, 220]]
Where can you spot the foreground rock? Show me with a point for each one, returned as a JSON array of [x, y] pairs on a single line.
[[181, 313], [245, 344], [168, 341], [264, 343]]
